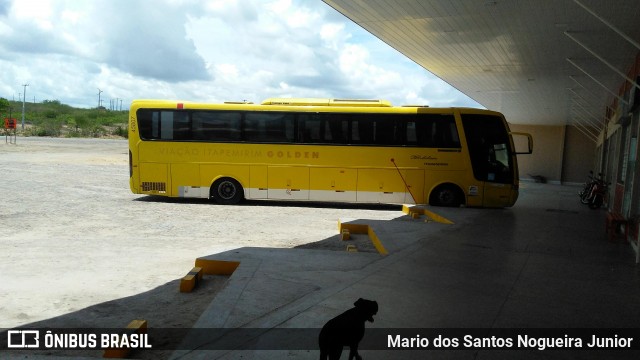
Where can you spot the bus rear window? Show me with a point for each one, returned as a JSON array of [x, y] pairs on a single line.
[[165, 125]]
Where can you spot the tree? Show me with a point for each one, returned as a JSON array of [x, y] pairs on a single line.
[[4, 105]]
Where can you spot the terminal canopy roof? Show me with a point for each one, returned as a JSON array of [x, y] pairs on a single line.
[[539, 62]]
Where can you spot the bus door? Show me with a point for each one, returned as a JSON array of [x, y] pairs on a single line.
[[491, 159]]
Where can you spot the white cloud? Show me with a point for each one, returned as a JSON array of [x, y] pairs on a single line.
[[38, 12], [211, 51]]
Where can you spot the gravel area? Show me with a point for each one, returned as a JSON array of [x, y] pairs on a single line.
[[77, 248]]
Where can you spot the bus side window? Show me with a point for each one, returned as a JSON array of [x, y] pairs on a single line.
[[411, 137], [365, 129], [338, 128], [289, 128], [309, 128], [252, 128], [355, 132], [166, 125], [423, 133], [181, 126], [385, 131], [439, 131], [454, 137], [445, 132], [324, 128], [405, 131], [199, 127], [325, 131], [268, 127], [216, 125]]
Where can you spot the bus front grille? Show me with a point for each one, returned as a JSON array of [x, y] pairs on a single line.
[[154, 186]]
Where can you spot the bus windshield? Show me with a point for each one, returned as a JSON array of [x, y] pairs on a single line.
[[489, 148]]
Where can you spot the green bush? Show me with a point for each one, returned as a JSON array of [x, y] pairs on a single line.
[[52, 118], [121, 131]]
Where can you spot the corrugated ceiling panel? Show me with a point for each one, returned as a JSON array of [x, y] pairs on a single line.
[[511, 55]]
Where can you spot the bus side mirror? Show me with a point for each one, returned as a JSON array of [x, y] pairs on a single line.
[[529, 142]]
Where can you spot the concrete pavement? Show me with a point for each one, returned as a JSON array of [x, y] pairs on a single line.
[[544, 263]]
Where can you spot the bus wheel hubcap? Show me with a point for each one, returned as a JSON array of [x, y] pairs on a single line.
[[227, 190]]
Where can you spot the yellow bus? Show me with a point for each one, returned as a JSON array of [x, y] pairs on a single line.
[[357, 151]]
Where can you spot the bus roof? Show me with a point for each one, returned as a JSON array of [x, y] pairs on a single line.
[[307, 104], [326, 102]]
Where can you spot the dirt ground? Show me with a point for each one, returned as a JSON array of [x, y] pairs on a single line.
[[78, 249]]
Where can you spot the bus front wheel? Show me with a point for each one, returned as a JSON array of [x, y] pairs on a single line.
[[446, 195], [227, 191]]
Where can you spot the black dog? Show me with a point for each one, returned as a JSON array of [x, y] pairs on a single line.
[[346, 329]]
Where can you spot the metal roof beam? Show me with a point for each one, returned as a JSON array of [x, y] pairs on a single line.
[[587, 129], [611, 26], [595, 96], [584, 130], [601, 59], [579, 96], [584, 109], [591, 123], [598, 82]]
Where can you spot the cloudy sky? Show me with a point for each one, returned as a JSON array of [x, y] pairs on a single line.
[[197, 50]]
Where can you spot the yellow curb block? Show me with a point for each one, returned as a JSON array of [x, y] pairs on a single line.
[[191, 280], [413, 210], [217, 267], [364, 229], [208, 267], [134, 327]]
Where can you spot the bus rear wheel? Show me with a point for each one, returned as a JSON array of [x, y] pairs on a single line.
[[227, 191], [446, 195]]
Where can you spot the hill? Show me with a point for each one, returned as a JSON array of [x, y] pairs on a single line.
[[52, 118]]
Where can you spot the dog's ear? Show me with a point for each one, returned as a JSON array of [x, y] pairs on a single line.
[[358, 302]]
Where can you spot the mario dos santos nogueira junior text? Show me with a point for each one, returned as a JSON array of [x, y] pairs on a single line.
[[516, 342]]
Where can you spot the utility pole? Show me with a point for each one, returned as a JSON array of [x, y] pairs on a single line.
[[24, 97], [99, 101]]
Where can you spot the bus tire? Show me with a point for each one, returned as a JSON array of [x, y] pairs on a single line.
[[227, 191], [447, 195]]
